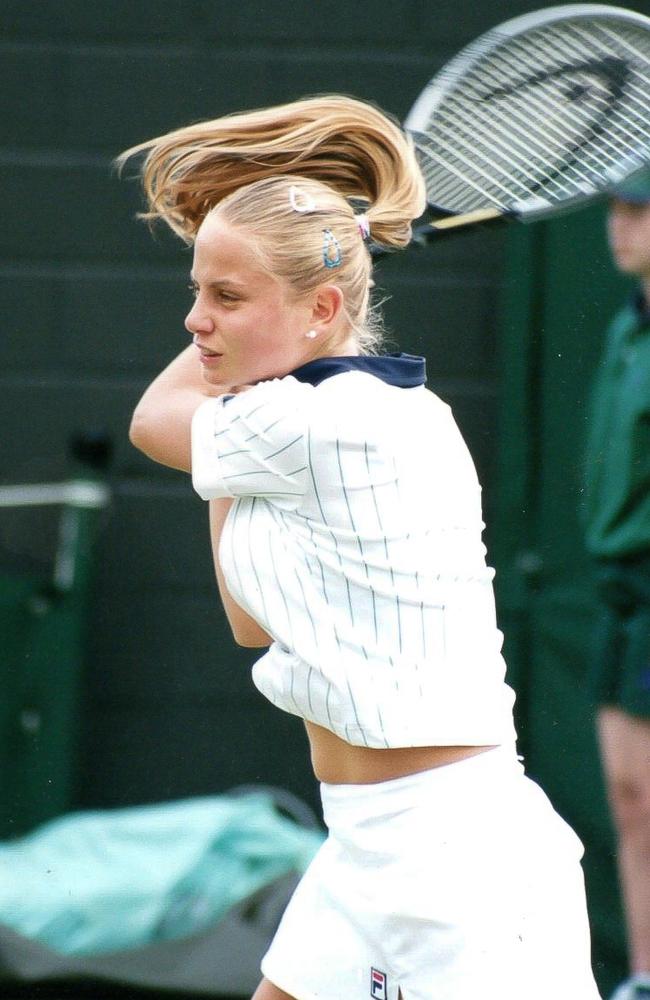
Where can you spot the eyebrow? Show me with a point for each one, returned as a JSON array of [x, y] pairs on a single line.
[[219, 281]]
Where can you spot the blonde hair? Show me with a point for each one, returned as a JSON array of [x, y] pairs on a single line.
[[320, 153]]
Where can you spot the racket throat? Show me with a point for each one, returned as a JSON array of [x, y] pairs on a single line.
[[467, 219]]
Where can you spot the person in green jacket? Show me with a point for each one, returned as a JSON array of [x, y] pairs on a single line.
[[617, 506]]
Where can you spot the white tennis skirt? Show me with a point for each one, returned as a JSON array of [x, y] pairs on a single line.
[[457, 883]]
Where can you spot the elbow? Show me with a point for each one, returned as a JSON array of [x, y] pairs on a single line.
[[249, 642], [250, 636], [162, 433], [139, 431], [245, 630], [147, 433]]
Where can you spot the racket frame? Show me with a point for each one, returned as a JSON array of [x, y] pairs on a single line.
[[446, 81]]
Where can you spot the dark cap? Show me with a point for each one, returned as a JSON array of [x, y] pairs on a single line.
[[635, 188]]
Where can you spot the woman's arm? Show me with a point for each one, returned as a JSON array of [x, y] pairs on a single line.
[[161, 428], [245, 629], [161, 422]]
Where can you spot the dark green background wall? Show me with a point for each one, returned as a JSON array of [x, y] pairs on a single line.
[[93, 307]]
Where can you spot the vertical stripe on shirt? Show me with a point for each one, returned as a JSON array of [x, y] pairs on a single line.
[[329, 528], [251, 558]]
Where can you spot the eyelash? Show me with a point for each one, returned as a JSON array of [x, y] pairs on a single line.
[[225, 296]]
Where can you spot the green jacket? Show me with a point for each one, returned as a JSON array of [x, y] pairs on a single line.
[[617, 494]]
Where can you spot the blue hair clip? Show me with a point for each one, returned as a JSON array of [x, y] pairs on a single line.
[[332, 255]]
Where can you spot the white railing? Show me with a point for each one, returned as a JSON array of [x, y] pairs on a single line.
[[75, 493]]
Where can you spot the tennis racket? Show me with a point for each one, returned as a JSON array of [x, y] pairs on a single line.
[[538, 116]]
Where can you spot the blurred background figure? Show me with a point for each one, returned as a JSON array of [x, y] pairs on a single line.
[[618, 539]]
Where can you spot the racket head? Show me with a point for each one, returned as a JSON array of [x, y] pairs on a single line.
[[538, 116]]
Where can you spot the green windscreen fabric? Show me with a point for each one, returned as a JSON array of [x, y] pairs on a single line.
[[560, 290], [43, 627]]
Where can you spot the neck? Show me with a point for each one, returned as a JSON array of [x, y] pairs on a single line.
[[339, 347]]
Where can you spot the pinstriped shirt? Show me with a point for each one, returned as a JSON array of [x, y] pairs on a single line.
[[355, 542]]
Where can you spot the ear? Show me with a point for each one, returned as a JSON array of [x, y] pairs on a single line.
[[327, 308]]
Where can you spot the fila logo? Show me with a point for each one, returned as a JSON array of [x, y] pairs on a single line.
[[378, 985]]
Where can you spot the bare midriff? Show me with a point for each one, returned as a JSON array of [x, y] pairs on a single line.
[[339, 763]]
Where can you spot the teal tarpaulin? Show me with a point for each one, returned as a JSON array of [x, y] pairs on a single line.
[[104, 881]]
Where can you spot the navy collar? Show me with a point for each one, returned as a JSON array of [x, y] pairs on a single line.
[[403, 370]]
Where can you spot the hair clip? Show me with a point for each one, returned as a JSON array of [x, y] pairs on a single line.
[[363, 222], [300, 201], [332, 255]]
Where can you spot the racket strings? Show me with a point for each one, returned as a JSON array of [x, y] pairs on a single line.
[[630, 83], [626, 122], [607, 151], [552, 127], [468, 173], [552, 114], [482, 123], [638, 104], [512, 171], [619, 40], [492, 129], [484, 132]]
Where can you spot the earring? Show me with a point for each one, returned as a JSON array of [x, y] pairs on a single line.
[[311, 334]]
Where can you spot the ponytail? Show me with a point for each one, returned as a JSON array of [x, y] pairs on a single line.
[[350, 145]]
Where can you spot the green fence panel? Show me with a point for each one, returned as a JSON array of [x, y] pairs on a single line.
[[42, 624]]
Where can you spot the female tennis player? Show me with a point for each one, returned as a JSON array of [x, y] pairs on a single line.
[[346, 529]]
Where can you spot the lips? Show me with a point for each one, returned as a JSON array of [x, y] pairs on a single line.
[[205, 353]]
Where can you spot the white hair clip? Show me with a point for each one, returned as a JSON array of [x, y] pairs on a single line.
[[363, 222], [300, 201]]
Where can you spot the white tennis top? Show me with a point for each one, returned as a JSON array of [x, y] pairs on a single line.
[[355, 542]]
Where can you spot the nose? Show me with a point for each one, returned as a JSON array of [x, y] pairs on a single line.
[[197, 320]]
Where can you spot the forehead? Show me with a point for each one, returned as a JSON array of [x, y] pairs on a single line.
[[222, 251]]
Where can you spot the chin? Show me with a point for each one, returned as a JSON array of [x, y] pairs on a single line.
[[629, 263], [212, 378]]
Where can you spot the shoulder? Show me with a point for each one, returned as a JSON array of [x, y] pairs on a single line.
[[353, 399], [287, 391], [253, 443], [359, 387], [281, 397]]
